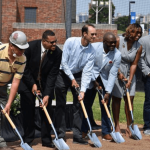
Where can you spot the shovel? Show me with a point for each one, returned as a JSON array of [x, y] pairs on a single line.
[[92, 136], [115, 135], [136, 134], [59, 143], [25, 146]]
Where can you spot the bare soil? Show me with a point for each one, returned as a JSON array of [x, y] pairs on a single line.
[[129, 144]]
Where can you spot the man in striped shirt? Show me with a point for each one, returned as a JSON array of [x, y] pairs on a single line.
[[12, 64]]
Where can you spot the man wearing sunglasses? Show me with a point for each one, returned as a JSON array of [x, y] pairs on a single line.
[[43, 62], [76, 65], [104, 73]]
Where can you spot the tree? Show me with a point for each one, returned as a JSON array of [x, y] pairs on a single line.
[[122, 23], [102, 15]]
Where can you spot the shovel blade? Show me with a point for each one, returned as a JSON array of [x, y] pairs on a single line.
[[119, 138], [113, 135], [60, 144], [94, 139], [135, 132], [25, 146]]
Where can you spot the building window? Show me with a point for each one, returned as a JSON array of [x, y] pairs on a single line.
[[30, 15]]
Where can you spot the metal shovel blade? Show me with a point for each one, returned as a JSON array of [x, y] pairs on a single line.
[[25, 146], [60, 144], [94, 139], [135, 132], [119, 138]]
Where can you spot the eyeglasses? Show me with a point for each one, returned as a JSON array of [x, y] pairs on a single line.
[[51, 42], [94, 34]]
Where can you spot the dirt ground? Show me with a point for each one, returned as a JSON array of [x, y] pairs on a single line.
[[129, 144]]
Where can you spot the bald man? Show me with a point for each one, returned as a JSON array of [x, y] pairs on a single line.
[[106, 65]]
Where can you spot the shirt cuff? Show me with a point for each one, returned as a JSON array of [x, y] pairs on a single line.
[[71, 77], [83, 89]]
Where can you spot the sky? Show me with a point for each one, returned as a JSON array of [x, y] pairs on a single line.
[[121, 6]]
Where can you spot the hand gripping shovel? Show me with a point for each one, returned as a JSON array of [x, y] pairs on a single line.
[[92, 136], [115, 135], [25, 146], [59, 143], [136, 134]]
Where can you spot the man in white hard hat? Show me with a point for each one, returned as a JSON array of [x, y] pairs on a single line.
[[12, 64]]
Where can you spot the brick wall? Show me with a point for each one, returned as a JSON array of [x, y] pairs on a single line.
[[35, 31], [48, 11], [9, 14]]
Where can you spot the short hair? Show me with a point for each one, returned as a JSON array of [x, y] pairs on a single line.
[[107, 34], [131, 28], [85, 27], [48, 33]]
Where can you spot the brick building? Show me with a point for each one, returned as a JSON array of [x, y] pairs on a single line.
[[35, 16]]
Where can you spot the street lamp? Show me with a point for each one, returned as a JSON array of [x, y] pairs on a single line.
[[101, 4], [130, 2]]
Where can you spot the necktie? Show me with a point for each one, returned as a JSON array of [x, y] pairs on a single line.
[[39, 74]]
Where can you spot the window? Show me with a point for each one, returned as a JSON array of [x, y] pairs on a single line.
[[30, 15]]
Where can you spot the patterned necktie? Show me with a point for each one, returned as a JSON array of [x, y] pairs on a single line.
[[40, 68]]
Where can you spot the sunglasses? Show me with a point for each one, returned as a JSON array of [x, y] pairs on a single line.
[[93, 34], [51, 42]]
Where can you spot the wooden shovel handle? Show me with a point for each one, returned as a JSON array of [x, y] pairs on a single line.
[[107, 111], [47, 115], [129, 101], [9, 119], [83, 108]]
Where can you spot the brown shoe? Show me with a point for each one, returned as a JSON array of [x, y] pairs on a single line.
[[107, 137], [84, 135]]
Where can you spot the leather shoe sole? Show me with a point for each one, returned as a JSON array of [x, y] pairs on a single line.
[[51, 145], [79, 141]]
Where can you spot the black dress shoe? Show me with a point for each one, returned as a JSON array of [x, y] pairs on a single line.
[[51, 145], [79, 141]]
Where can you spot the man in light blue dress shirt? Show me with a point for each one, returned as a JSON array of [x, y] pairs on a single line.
[[76, 65]]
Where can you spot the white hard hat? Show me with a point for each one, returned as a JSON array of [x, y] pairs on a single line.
[[19, 39]]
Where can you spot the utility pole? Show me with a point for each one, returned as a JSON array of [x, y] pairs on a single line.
[[110, 12]]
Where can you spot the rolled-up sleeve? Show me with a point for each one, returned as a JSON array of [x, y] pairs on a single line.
[[87, 73], [65, 58]]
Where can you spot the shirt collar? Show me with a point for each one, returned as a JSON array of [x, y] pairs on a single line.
[[42, 48], [84, 46], [105, 52]]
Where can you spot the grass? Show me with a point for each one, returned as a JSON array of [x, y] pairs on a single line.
[[137, 112], [120, 32]]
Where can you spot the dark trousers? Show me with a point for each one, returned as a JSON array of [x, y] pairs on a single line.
[[61, 88], [146, 110], [28, 111], [88, 102], [3, 101]]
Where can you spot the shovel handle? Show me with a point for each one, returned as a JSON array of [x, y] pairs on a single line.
[[47, 115], [83, 108], [129, 101], [9, 119], [107, 111]]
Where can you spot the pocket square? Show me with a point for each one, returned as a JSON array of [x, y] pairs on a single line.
[[110, 62]]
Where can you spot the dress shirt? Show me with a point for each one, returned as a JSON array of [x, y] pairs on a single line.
[[104, 55], [77, 58], [42, 50]]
